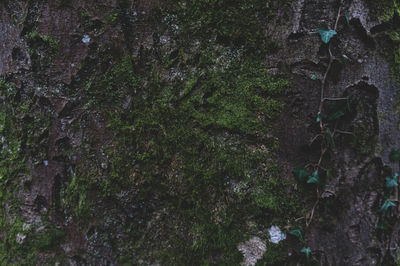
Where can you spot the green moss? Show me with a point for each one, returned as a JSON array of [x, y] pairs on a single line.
[[23, 124], [42, 48], [111, 18], [362, 141], [49, 239], [238, 23], [276, 254], [186, 127], [383, 10], [75, 199]]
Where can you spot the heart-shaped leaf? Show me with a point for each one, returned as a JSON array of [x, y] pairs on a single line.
[[387, 205], [392, 182], [319, 117], [297, 233], [306, 251], [326, 35], [313, 179]]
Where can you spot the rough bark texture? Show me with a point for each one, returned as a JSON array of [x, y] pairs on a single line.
[[164, 132]]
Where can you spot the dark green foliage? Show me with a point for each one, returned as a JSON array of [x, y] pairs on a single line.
[[395, 155], [48, 239], [336, 115], [329, 137], [237, 23], [306, 251], [297, 233]]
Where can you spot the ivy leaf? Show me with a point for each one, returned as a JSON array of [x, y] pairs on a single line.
[[392, 182], [395, 155], [297, 233], [336, 115], [306, 251], [319, 117], [381, 226], [326, 35], [330, 137], [300, 173], [387, 205], [313, 179]]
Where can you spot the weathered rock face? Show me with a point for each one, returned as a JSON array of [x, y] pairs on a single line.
[[165, 132]]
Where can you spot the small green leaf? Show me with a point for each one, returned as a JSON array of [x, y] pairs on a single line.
[[329, 136], [319, 117], [306, 251], [297, 233], [395, 155], [387, 205], [314, 77], [336, 115], [300, 173], [313, 179], [381, 226], [392, 182], [326, 35]]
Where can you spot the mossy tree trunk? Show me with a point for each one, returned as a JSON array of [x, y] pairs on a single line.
[[178, 132]]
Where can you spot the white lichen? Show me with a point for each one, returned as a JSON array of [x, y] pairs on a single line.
[[276, 235], [86, 38], [252, 250]]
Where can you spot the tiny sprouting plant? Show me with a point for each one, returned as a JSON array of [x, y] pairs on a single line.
[[306, 251], [392, 181], [386, 205], [313, 179], [326, 35], [297, 233], [319, 117]]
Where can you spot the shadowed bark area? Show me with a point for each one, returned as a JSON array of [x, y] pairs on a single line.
[[160, 132]]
